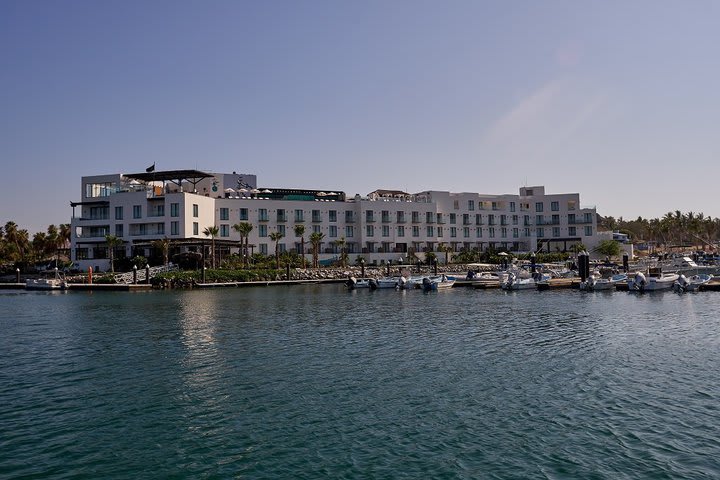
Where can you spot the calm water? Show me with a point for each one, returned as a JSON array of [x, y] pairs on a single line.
[[315, 382]]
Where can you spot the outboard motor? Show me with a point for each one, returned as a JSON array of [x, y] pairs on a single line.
[[402, 283], [640, 281], [426, 284], [681, 284], [351, 282], [373, 284]]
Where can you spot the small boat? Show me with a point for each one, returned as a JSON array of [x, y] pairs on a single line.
[[596, 282], [353, 283], [409, 283], [438, 282], [692, 284], [513, 282], [56, 283], [382, 283], [640, 283]]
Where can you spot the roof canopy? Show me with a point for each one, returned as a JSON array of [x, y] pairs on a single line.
[[175, 176]]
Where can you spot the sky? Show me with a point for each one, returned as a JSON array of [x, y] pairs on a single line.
[[616, 100]]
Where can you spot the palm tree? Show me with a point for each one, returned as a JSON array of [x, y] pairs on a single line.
[[164, 246], [300, 232], [112, 243], [212, 232], [275, 237], [64, 233], [244, 229], [316, 239], [340, 244], [446, 249]]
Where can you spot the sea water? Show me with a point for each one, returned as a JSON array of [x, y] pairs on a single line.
[[317, 382]]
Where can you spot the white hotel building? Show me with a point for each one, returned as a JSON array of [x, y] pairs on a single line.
[[382, 226]]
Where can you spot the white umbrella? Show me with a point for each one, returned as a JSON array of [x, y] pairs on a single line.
[[267, 191], [229, 190], [243, 190], [332, 193], [321, 194], [254, 190]]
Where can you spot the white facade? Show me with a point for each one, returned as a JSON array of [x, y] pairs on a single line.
[[383, 226]]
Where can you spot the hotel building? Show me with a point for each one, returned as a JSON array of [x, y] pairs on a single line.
[[383, 226]]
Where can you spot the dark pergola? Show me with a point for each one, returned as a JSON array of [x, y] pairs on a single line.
[[172, 176]]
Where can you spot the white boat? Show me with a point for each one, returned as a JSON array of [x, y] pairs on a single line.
[[409, 283], [381, 283], [45, 284], [640, 283], [352, 283], [437, 282], [692, 284], [513, 282], [596, 282]]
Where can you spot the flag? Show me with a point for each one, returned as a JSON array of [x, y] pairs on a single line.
[[151, 168]]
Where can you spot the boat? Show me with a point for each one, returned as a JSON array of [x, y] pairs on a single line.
[[513, 282], [409, 283], [662, 281], [692, 284], [437, 282], [353, 283], [382, 283], [596, 282], [56, 283]]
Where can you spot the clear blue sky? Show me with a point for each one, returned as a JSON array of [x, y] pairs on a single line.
[[619, 101]]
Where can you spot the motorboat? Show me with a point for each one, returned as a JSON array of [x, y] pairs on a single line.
[[410, 283], [597, 282], [437, 282], [692, 284], [383, 283], [46, 284], [513, 282], [641, 283], [353, 283]]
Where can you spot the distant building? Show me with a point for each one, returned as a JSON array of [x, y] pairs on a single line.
[[385, 225]]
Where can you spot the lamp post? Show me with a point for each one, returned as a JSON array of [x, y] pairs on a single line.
[[17, 275], [147, 273], [362, 267], [134, 274], [204, 273]]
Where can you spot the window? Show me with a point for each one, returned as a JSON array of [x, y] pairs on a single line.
[[503, 232], [263, 248], [572, 231], [174, 209], [512, 206], [588, 217], [466, 232], [571, 218], [526, 232], [556, 232], [386, 230], [478, 219], [440, 231], [456, 204], [333, 231], [416, 217], [369, 216], [495, 206], [538, 206], [491, 219], [118, 213], [299, 216], [556, 219], [400, 217], [491, 232], [430, 231], [429, 217], [439, 217], [349, 218], [369, 230], [281, 230], [588, 230], [137, 211], [281, 215], [332, 216], [316, 216], [262, 215], [555, 206], [119, 230], [224, 230], [503, 219], [196, 210], [316, 229], [196, 228], [224, 214], [174, 228], [415, 231], [160, 229], [471, 205], [453, 219], [453, 232], [81, 253], [516, 233], [385, 214], [539, 220], [540, 232], [262, 230], [401, 231], [349, 231], [478, 232], [243, 214], [466, 219], [515, 219]]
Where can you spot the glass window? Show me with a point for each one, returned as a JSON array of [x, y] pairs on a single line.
[[281, 230], [196, 210], [453, 232], [137, 211], [401, 231], [262, 230], [349, 231], [369, 230], [332, 215], [174, 228], [386, 230], [196, 228], [538, 206], [174, 209], [555, 206], [224, 214], [588, 230], [333, 231], [118, 213], [119, 230], [243, 214], [471, 205]]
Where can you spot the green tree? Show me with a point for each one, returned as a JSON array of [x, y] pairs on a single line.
[[112, 243], [163, 245], [316, 239], [608, 248], [300, 232], [212, 232], [275, 237], [340, 243], [244, 229]]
